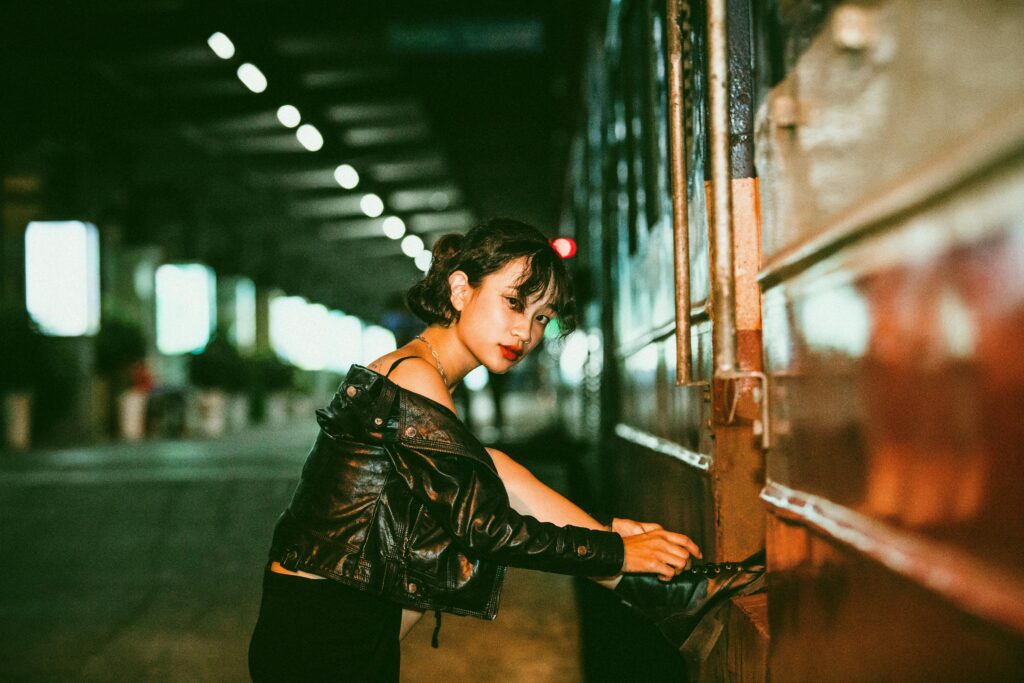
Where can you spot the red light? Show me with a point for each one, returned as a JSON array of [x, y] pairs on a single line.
[[565, 246]]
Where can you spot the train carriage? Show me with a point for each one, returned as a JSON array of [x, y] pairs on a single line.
[[802, 257]]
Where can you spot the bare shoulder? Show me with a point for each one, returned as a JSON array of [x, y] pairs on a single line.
[[420, 376], [382, 364]]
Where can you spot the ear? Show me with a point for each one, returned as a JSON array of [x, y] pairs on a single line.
[[461, 290]]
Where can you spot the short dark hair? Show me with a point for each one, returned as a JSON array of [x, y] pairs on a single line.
[[484, 250]]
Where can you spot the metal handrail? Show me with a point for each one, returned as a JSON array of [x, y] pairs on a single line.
[[724, 292], [680, 222]]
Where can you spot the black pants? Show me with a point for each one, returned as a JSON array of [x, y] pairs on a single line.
[[311, 630]]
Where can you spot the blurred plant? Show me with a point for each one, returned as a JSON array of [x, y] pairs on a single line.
[[120, 344], [23, 350], [33, 363], [220, 366], [271, 374]]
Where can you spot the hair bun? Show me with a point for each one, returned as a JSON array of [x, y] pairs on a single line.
[[484, 250], [447, 246]]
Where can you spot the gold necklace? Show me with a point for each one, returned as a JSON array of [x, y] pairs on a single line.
[[437, 360]]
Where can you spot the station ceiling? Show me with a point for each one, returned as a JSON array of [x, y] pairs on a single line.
[[119, 112]]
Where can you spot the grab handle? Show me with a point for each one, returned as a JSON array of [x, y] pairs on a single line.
[[680, 208]]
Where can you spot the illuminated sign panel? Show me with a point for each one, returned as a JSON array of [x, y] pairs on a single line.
[[243, 330], [377, 341], [286, 314], [62, 277], [185, 307], [346, 341]]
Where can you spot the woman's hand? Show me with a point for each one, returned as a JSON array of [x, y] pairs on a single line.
[[628, 527], [661, 552]]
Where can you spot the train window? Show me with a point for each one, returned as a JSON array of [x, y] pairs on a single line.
[[632, 73], [613, 164], [658, 147], [652, 105], [626, 114], [642, 81]]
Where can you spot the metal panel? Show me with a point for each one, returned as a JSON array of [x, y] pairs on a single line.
[[885, 91], [835, 616], [896, 380], [892, 187]]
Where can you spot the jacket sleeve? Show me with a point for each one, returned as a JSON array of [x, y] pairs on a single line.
[[469, 500]]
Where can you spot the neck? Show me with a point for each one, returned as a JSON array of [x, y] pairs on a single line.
[[453, 354]]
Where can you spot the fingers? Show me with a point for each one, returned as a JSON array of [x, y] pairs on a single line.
[[679, 541], [676, 562], [661, 552], [676, 559], [683, 541], [654, 554], [629, 527]]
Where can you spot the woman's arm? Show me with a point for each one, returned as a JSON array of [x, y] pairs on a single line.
[[530, 496], [470, 500]]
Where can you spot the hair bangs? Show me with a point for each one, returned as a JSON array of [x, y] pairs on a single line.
[[545, 276]]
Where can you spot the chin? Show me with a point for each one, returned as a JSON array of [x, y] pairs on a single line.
[[500, 367]]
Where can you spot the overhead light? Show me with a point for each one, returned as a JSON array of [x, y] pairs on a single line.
[[337, 204], [394, 227], [370, 135], [439, 201], [423, 260], [414, 169], [346, 176], [435, 197], [288, 115], [310, 137], [252, 77], [221, 45], [372, 205], [412, 246], [374, 110], [448, 221]]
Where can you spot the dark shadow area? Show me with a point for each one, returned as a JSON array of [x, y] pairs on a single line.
[[616, 643]]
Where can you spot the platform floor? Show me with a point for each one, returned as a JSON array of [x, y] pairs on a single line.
[[143, 563]]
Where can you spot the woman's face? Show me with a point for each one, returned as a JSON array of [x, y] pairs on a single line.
[[497, 327]]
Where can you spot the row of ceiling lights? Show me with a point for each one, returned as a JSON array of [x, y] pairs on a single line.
[[309, 137]]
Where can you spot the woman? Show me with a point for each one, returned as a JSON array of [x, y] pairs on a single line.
[[401, 510]]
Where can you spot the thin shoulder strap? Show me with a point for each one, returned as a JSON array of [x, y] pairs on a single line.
[[397, 363]]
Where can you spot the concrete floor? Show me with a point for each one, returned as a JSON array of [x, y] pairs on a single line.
[[143, 563]]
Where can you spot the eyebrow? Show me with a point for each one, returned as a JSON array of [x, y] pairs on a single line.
[[550, 309], [512, 291]]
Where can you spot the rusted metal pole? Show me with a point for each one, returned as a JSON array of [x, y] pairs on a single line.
[[724, 293], [680, 222]]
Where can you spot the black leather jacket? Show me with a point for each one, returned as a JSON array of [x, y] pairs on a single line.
[[398, 498]]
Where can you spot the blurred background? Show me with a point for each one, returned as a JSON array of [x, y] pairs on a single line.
[[208, 212], [795, 229]]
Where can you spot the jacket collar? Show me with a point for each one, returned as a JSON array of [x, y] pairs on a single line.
[[421, 421]]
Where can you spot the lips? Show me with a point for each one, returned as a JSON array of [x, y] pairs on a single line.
[[510, 352]]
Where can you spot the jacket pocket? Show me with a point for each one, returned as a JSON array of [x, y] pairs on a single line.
[[426, 585], [428, 553]]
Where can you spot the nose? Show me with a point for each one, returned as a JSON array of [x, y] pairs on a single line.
[[521, 331]]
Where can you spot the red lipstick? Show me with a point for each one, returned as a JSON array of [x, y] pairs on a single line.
[[510, 352]]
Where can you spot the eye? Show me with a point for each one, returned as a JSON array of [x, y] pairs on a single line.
[[543, 319], [514, 303]]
